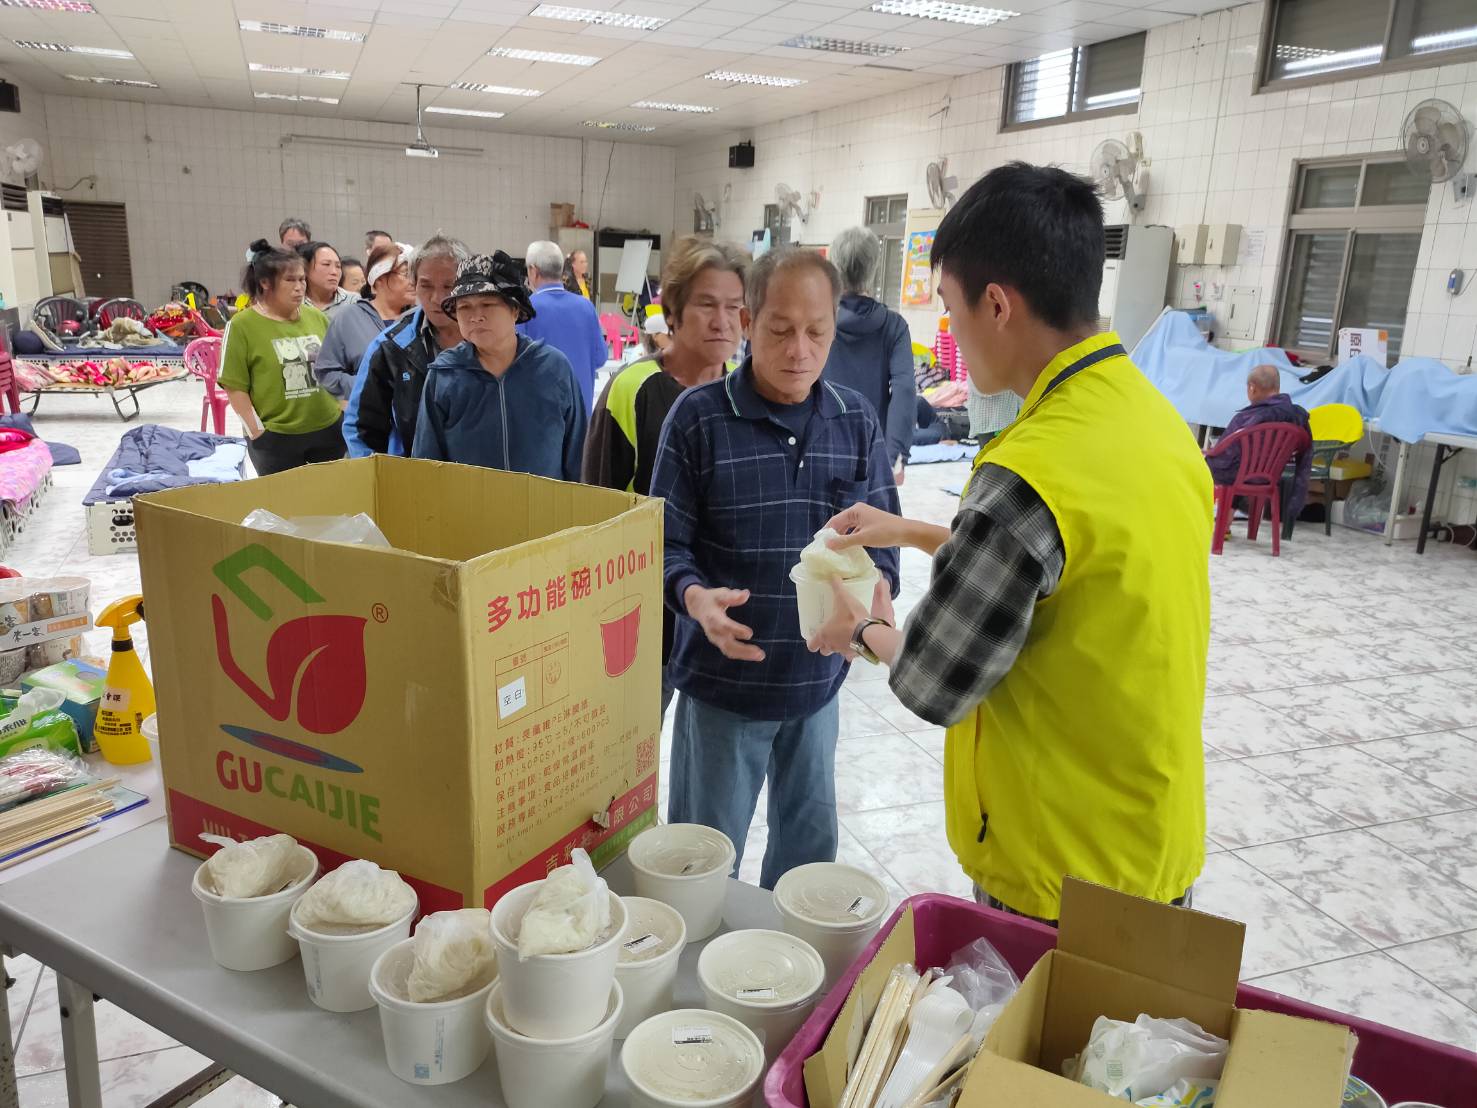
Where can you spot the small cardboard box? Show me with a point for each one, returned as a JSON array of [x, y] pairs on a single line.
[[464, 708], [1369, 341], [1116, 956]]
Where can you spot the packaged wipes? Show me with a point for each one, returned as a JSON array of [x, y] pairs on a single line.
[[823, 563], [358, 896], [453, 954], [257, 867], [570, 911]]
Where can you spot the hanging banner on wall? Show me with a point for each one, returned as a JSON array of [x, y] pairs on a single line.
[[917, 271]]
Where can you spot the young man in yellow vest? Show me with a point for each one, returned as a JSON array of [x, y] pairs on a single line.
[[1063, 636]]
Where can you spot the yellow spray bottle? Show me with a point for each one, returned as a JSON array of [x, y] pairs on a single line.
[[128, 695]]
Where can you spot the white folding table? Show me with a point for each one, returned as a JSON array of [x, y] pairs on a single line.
[[117, 920]]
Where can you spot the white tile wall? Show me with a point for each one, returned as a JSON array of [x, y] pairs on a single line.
[[1219, 153], [201, 184]]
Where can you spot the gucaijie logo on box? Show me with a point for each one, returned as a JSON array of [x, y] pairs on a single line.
[[315, 670]]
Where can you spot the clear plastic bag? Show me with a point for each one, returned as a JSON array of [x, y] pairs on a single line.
[[358, 896], [358, 529], [37, 771], [1143, 1059], [257, 867], [983, 977], [453, 955], [569, 912]]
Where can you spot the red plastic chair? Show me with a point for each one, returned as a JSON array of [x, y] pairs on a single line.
[[616, 331], [203, 329], [116, 308], [1265, 450], [9, 388], [203, 360]]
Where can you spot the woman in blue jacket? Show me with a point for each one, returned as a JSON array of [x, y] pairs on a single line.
[[499, 399]]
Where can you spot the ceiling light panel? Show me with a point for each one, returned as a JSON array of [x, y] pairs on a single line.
[[299, 31], [110, 81], [63, 48], [498, 90], [79, 7], [604, 125], [971, 14], [537, 55], [296, 98], [299, 71], [668, 106], [733, 78], [603, 18], [466, 111], [843, 46]]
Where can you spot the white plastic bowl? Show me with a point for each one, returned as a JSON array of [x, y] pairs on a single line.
[[544, 1073], [835, 908], [553, 996], [687, 866], [816, 602], [651, 948], [337, 967], [432, 1043], [250, 933], [692, 1058], [767, 980]]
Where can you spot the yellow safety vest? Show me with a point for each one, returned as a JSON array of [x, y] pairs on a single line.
[[1087, 758]]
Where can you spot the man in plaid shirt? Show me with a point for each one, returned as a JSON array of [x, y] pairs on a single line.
[[751, 467]]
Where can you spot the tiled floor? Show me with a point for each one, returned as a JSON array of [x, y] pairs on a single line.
[[1341, 741]]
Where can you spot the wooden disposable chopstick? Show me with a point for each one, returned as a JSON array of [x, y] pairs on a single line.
[[62, 840]]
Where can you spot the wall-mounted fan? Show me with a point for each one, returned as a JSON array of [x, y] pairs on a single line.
[[704, 215], [22, 158], [1435, 139], [940, 186], [791, 204], [1113, 166]]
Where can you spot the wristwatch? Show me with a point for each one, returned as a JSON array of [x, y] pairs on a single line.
[[859, 645]]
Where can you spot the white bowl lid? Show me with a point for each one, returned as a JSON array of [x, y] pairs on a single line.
[[682, 850], [831, 893], [763, 968], [652, 928], [692, 1056]]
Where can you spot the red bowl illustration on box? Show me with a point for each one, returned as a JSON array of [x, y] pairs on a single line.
[[620, 632]]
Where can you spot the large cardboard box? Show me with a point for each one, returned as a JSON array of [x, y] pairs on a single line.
[[1116, 956], [465, 708]]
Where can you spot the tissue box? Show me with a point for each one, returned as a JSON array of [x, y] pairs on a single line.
[[81, 683]]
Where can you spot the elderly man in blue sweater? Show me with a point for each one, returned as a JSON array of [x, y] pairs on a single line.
[[752, 466], [563, 319]]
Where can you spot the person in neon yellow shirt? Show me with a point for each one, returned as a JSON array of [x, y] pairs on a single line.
[[1063, 636]]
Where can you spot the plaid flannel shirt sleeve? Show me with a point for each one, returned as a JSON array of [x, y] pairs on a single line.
[[1004, 553]]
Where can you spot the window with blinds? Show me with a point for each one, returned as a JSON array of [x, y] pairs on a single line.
[[1070, 84], [1355, 233], [1335, 39], [887, 217]]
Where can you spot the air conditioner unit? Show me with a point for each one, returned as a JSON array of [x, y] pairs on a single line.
[[1135, 277]]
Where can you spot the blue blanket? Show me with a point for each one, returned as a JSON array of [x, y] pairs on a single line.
[[1415, 397], [150, 458]]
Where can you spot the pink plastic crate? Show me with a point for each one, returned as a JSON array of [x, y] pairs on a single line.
[[1400, 1066]]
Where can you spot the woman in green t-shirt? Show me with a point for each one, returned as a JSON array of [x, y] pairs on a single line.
[[267, 367]]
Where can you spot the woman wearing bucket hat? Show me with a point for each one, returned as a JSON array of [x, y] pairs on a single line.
[[499, 399]]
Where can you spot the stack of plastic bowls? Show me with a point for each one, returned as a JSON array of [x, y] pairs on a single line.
[[687, 866], [553, 1016]]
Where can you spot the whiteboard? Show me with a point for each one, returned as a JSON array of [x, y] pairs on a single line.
[[634, 256]]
